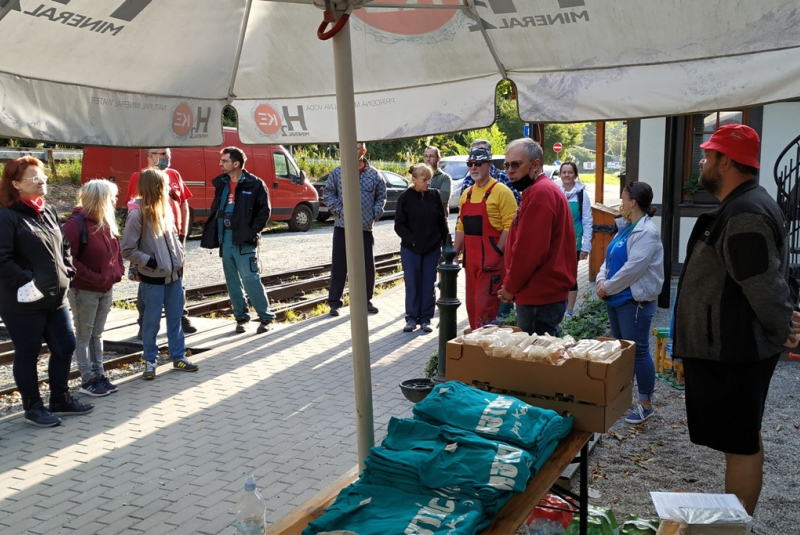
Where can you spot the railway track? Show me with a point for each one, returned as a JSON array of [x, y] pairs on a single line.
[[288, 292]]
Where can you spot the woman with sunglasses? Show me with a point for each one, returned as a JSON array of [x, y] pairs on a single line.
[[35, 269], [421, 224]]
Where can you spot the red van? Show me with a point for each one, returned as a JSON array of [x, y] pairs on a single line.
[[291, 195]]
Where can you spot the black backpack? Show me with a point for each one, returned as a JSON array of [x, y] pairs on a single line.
[[83, 233]]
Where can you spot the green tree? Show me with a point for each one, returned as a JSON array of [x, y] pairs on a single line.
[[617, 140], [580, 155], [229, 116], [569, 135]]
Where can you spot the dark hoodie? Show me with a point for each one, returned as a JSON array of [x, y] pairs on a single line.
[[99, 265]]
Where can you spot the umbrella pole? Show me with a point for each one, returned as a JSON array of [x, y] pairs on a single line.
[[354, 246]]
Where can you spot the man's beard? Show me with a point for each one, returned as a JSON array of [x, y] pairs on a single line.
[[711, 180]]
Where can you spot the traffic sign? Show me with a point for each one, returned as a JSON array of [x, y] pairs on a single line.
[[557, 163], [557, 147], [526, 130]]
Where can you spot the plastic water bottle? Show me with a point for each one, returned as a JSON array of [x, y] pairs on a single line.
[[251, 510]]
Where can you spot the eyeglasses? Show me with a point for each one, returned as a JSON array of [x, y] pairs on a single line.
[[223, 160], [512, 165], [41, 179], [475, 164], [425, 180]]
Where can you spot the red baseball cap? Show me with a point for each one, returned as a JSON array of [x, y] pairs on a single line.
[[738, 142]]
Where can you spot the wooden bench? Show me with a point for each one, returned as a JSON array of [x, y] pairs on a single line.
[[506, 522]]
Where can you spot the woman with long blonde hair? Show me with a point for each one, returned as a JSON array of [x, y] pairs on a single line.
[[151, 243], [93, 237]]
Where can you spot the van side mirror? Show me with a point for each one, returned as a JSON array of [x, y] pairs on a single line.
[[302, 178]]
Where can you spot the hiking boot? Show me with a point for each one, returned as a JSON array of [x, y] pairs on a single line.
[[639, 415], [372, 309], [95, 388], [149, 371], [334, 312], [426, 327], [241, 326], [263, 327], [187, 326], [111, 388], [184, 365], [38, 415], [410, 326], [70, 406]]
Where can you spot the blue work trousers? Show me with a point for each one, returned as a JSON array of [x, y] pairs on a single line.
[[419, 274], [242, 274], [631, 321]]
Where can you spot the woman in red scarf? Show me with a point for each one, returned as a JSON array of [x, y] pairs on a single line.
[[35, 269]]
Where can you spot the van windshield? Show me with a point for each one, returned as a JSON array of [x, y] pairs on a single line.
[[455, 169]]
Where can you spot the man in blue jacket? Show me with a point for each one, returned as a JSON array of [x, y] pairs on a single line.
[[237, 216], [733, 314]]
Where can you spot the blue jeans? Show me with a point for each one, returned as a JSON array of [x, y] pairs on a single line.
[[240, 265], [541, 319], [89, 313], [27, 331], [170, 298], [631, 321], [419, 274]]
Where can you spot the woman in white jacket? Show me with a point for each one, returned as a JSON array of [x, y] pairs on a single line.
[[629, 281], [581, 207]]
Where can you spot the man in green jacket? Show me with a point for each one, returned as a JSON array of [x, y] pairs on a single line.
[[441, 181]]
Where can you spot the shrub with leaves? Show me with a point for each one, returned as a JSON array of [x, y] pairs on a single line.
[[591, 321]]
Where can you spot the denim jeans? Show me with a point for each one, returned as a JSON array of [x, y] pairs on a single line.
[[541, 319], [419, 275], [168, 297], [240, 266], [89, 313], [27, 331], [631, 321]]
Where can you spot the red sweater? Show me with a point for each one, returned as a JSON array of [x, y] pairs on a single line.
[[100, 264], [540, 258]]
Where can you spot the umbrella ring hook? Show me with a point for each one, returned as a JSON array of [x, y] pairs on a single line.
[[329, 17]]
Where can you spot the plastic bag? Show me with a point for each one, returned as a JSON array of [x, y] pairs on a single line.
[[638, 526], [601, 521], [554, 508]]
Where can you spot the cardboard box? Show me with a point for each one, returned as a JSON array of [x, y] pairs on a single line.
[[672, 527], [678, 509], [596, 393]]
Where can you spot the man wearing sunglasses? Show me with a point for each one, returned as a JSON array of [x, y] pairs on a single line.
[[179, 196], [540, 259], [494, 172], [486, 210]]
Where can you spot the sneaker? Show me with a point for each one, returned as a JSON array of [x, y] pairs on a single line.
[[184, 365], [109, 386], [264, 326], [187, 326], [149, 371], [372, 309], [639, 415], [427, 327], [70, 406], [241, 326], [94, 388], [410, 326], [38, 415], [334, 312]]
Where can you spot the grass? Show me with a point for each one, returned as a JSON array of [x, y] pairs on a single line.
[[608, 180]]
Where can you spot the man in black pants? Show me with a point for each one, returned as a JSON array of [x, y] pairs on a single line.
[[373, 198]]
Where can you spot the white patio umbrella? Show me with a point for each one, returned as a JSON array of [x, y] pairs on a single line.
[[159, 72]]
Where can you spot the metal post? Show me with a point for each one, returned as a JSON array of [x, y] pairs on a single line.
[[354, 243], [448, 304]]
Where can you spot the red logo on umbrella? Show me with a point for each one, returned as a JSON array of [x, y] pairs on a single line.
[[267, 119], [182, 120], [408, 21]]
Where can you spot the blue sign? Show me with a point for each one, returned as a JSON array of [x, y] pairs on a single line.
[[557, 162], [526, 130]]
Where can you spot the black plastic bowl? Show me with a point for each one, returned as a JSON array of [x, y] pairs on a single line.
[[416, 389]]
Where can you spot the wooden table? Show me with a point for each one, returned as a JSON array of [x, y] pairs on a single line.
[[506, 522]]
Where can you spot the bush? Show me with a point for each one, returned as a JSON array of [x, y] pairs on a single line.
[[68, 171], [591, 321]]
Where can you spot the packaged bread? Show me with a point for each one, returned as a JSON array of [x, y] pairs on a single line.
[[545, 348], [582, 348], [606, 350], [503, 346]]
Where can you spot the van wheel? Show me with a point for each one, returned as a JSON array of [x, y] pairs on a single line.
[[323, 217], [301, 219]]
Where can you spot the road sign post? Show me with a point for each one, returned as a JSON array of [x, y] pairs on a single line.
[[557, 147]]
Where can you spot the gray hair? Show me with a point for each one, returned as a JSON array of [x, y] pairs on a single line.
[[532, 149], [481, 143]]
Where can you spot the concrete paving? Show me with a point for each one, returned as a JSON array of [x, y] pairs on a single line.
[[171, 455]]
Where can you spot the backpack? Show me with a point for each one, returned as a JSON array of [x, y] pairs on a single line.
[[580, 206], [83, 233]]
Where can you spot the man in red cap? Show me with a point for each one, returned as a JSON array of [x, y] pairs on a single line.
[[733, 314]]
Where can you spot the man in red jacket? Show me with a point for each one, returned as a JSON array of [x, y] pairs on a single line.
[[540, 251]]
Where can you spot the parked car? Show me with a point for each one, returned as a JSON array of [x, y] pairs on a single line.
[[395, 185], [292, 196]]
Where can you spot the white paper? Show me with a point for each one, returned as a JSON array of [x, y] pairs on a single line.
[[29, 293], [666, 501]]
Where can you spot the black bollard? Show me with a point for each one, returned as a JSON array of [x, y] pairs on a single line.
[[448, 304]]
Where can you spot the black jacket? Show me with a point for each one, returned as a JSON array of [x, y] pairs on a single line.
[[251, 211], [420, 220], [33, 247], [734, 301]]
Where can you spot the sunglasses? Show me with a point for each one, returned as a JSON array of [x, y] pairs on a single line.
[[475, 164], [512, 165]]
